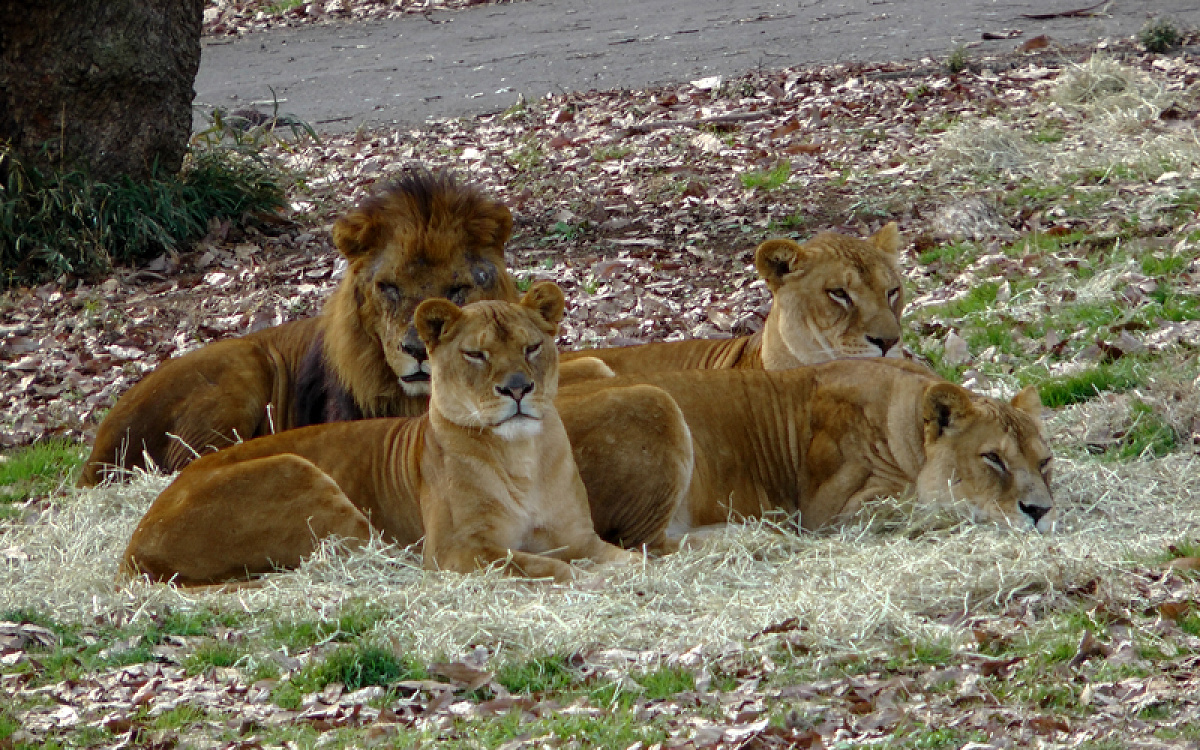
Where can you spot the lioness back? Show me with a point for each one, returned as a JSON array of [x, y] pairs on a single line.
[[823, 439], [833, 297], [421, 236]]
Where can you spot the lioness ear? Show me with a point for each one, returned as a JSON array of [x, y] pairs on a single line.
[[888, 238], [776, 258], [1028, 401], [944, 405], [434, 318], [356, 234], [547, 300]]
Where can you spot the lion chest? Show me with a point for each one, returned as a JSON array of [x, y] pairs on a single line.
[[515, 497]]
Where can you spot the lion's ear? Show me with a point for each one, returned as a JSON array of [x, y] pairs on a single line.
[[546, 299], [504, 224], [944, 405], [434, 319], [776, 258], [356, 234], [1028, 401], [888, 238]]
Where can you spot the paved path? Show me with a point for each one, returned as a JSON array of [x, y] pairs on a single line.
[[477, 61]]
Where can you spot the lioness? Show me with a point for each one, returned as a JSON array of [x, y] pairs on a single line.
[[486, 476], [832, 297], [423, 236], [822, 440]]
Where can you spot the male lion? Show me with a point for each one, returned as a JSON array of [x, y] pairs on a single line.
[[423, 236], [821, 440], [486, 476], [833, 297]]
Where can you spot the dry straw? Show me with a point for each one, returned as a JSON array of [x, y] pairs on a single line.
[[893, 573]]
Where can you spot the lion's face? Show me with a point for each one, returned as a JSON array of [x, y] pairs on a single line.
[[495, 365], [835, 297], [989, 454], [426, 238]]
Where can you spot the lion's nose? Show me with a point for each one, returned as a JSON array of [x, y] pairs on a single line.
[[413, 346], [883, 344], [1035, 512], [517, 386]]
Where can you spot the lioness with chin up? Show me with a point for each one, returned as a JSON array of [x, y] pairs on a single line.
[[485, 477], [822, 440], [833, 297]]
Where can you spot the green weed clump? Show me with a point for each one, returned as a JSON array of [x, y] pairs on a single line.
[[56, 222], [1160, 36], [956, 61]]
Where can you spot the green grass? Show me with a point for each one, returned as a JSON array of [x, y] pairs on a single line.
[[352, 622], [38, 469], [666, 682], [209, 655], [58, 222], [537, 675], [1150, 436], [1088, 384], [767, 179], [354, 666]]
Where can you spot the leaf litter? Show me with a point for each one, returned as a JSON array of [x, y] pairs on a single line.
[[634, 201]]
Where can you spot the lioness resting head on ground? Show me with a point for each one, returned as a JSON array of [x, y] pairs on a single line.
[[485, 477], [834, 297], [423, 236], [824, 439]]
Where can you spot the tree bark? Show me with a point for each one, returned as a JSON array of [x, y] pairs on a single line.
[[100, 85]]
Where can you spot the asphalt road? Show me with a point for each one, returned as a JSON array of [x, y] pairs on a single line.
[[476, 61]]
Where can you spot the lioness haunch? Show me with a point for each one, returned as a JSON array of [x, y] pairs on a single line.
[[486, 476], [822, 440]]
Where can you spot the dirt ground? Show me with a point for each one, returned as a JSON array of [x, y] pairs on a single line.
[[406, 70]]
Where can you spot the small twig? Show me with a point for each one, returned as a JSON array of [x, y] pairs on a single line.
[[1068, 13]]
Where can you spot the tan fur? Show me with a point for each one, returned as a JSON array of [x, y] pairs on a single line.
[[424, 237], [824, 439], [833, 297], [486, 477]]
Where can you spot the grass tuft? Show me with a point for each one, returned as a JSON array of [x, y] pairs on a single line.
[[767, 179], [38, 469], [63, 222], [1160, 36], [956, 61]]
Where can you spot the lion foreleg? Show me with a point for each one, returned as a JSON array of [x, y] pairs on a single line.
[[240, 520]]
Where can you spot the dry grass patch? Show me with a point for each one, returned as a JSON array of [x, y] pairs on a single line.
[[888, 576]]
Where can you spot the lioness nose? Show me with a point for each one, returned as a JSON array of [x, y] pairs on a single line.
[[1035, 512], [883, 344], [413, 346], [516, 387]]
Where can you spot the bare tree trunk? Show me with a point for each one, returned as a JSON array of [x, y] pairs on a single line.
[[103, 85]]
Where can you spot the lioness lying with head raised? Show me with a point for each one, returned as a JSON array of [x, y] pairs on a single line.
[[486, 477], [833, 297], [824, 439]]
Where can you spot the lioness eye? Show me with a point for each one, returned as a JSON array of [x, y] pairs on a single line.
[[893, 295], [1044, 467], [389, 291], [476, 357], [532, 350], [839, 296], [994, 460]]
